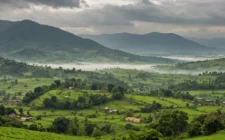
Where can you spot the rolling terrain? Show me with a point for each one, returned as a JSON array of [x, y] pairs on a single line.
[[82, 98], [30, 41], [216, 65]]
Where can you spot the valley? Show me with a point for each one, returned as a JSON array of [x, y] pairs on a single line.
[[155, 86]]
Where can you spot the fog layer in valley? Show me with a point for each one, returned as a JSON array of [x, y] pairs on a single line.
[[194, 58], [144, 67]]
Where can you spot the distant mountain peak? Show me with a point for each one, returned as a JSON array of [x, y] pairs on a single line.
[[151, 43], [50, 43]]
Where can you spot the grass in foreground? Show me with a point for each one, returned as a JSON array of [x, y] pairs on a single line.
[[218, 136], [7, 133]]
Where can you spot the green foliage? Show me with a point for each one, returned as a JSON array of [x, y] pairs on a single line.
[[117, 93], [152, 107], [96, 132], [194, 129], [61, 124], [2, 110], [33, 127], [151, 134], [211, 125], [172, 123]]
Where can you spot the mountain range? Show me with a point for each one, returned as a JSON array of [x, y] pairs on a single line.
[[214, 42], [152, 43], [30, 41]]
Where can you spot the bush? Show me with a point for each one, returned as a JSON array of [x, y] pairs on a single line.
[[211, 125], [38, 117], [194, 129]]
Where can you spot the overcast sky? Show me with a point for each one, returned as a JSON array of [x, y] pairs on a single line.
[[197, 18]]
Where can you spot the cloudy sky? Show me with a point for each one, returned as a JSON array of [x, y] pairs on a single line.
[[197, 18]]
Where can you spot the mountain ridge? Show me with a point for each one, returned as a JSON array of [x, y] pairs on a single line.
[[60, 45], [165, 43]]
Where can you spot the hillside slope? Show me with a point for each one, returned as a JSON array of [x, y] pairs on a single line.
[[215, 42], [30, 41], [8, 133], [152, 43]]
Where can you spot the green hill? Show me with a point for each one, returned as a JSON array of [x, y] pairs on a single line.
[[218, 136], [9, 133], [216, 65], [208, 65], [49, 44]]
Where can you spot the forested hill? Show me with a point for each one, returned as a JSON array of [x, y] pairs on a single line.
[[28, 40], [14, 69], [161, 43], [208, 65]]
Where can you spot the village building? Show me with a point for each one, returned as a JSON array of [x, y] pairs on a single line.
[[13, 116], [26, 119], [71, 88], [223, 103], [208, 101], [110, 111], [199, 98], [133, 119], [106, 108], [12, 102]]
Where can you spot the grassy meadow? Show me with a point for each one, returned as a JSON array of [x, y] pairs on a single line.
[[7, 133]]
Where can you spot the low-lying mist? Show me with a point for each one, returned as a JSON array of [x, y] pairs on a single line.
[[144, 67], [193, 58]]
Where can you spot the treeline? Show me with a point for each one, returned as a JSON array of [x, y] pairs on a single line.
[[174, 125], [169, 93], [218, 83], [5, 121], [82, 102]]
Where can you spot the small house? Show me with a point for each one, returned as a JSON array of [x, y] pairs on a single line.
[[26, 119], [199, 98], [106, 108], [133, 119], [12, 116], [12, 102], [67, 97], [208, 101], [71, 88], [115, 111]]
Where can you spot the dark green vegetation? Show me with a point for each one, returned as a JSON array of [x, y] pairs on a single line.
[[111, 104], [29, 41], [152, 43]]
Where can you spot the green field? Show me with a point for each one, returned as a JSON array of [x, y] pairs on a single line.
[[23, 84], [218, 136], [148, 80], [7, 133]]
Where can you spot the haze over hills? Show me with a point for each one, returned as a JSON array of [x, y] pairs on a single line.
[[28, 40], [215, 42], [152, 43]]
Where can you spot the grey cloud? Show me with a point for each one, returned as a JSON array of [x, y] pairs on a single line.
[[146, 1], [113, 18], [52, 3], [183, 12]]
